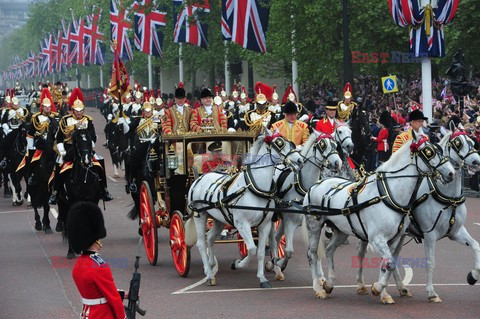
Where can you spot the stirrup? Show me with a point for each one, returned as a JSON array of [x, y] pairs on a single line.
[[31, 181], [53, 199], [3, 164], [132, 187]]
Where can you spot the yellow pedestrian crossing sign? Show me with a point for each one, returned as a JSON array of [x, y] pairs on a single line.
[[389, 84]]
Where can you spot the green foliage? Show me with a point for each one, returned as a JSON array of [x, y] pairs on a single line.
[[313, 27]]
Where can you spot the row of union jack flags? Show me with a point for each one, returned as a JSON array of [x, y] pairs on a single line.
[[80, 42]]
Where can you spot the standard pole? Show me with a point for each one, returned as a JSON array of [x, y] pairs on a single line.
[[150, 79], [88, 81], [294, 65], [227, 72], [180, 63], [427, 88], [101, 77]]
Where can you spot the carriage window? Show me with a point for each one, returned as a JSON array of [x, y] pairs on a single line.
[[229, 154]]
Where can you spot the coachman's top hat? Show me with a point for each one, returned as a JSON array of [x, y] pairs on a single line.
[[85, 225], [416, 115], [331, 105], [206, 92], [290, 108], [180, 91], [215, 146]]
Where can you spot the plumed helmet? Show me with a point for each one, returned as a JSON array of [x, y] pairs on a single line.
[[85, 225], [347, 91], [147, 106], [263, 93], [76, 99], [289, 95], [47, 100]]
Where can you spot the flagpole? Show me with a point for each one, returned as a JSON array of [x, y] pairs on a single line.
[[427, 80], [294, 65], [180, 63], [101, 77], [150, 79], [88, 80], [227, 73]]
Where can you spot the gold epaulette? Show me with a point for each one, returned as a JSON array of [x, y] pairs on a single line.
[[88, 117]]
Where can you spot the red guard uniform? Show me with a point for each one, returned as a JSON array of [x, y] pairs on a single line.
[[325, 126], [94, 281], [211, 165]]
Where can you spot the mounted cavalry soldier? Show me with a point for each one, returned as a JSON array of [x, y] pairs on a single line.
[[260, 116], [208, 117], [177, 117], [275, 107], [92, 275], [346, 106], [12, 120], [242, 108], [68, 124], [416, 119], [290, 128], [143, 132], [38, 131]]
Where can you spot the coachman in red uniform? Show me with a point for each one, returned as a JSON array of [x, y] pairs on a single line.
[[328, 123], [92, 275]]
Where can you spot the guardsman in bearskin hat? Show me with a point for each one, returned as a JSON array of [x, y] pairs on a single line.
[[92, 275], [143, 131], [290, 128], [260, 116], [416, 120], [275, 107], [328, 123], [38, 130], [215, 162], [346, 106], [177, 117], [67, 126], [208, 117]]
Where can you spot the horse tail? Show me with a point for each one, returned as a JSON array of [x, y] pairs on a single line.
[[133, 213], [321, 243], [190, 232]]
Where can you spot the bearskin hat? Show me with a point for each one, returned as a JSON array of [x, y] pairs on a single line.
[[85, 225]]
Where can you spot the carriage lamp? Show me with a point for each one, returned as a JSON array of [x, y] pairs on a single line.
[[172, 158]]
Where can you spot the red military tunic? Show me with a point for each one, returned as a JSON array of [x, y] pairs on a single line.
[[211, 165], [94, 281], [325, 126]]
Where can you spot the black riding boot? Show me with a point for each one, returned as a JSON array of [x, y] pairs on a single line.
[[56, 184], [106, 196]]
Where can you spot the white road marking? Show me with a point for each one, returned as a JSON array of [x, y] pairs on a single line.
[[185, 290], [112, 179], [477, 224], [408, 274], [53, 211], [17, 211]]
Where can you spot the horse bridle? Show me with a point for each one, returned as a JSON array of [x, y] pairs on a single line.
[[455, 142], [426, 154], [341, 140], [321, 146], [78, 151]]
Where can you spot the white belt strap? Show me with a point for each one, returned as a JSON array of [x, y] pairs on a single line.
[[93, 302]]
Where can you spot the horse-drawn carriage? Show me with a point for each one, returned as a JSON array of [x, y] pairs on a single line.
[[175, 164]]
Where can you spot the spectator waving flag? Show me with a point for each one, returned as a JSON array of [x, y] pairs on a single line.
[[147, 22], [248, 22], [119, 26], [187, 18]]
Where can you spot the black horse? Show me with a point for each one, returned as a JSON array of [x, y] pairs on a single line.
[[361, 135], [39, 173], [82, 181], [117, 144]]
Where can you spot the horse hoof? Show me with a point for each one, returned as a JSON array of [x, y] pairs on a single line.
[[434, 299], [375, 292], [38, 226], [387, 300], [116, 176], [321, 294], [211, 282], [471, 281], [70, 256], [233, 266], [405, 292], [280, 277], [48, 230], [59, 227], [362, 290], [328, 288], [265, 284], [269, 266]]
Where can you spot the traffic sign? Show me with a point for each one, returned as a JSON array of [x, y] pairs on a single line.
[[389, 84]]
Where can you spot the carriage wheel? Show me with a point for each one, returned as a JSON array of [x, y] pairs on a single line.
[[242, 247], [180, 250], [282, 243], [148, 223]]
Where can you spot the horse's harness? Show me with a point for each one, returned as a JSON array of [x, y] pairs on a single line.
[[341, 140], [426, 154], [224, 201], [456, 144]]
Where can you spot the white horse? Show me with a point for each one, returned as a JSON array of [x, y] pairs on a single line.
[[343, 136], [224, 198], [320, 153], [440, 212], [368, 209]]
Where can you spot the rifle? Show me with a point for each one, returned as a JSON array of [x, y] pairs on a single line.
[[133, 293]]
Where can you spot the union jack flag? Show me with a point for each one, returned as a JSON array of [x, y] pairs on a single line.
[[148, 37], [119, 25], [94, 50], [77, 42], [46, 53], [245, 22], [426, 36], [64, 45], [188, 28]]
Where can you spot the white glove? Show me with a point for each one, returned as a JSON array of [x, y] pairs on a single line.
[[30, 143], [61, 149], [121, 121], [93, 144], [304, 118], [235, 121], [109, 117], [126, 127], [6, 128], [231, 130]]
